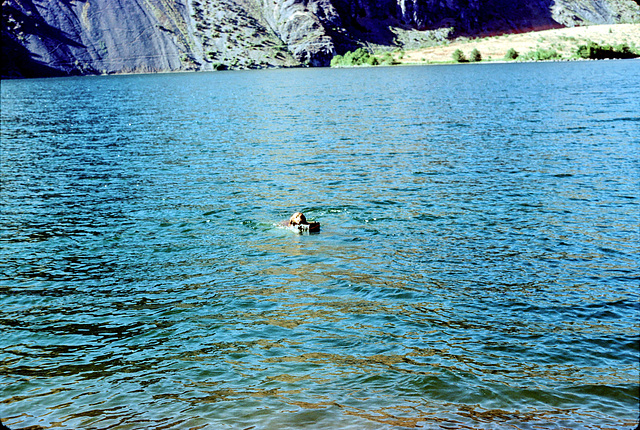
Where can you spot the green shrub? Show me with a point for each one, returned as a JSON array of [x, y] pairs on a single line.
[[336, 61], [593, 51], [358, 57], [372, 60], [458, 56], [475, 56], [542, 54], [388, 60], [361, 57], [511, 54]]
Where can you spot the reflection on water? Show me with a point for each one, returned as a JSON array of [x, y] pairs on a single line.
[[476, 268]]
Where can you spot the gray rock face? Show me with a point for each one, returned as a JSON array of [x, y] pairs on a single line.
[[63, 37], [100, 36], [301, 25]]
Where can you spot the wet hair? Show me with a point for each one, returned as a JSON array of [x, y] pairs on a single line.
[[297, 218]]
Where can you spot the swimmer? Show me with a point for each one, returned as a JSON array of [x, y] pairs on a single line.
[[299, 221]]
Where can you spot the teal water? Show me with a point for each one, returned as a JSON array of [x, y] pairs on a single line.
[[477, 265]]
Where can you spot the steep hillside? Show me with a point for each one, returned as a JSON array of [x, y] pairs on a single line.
[[63, 37], [101, 36]]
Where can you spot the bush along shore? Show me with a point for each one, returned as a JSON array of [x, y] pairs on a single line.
[[620, 41], [362, 57], [590, 51]]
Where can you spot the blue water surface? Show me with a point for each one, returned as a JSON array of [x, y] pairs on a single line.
[[477, 265]]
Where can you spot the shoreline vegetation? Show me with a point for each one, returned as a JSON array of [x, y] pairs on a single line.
[[595, 42]]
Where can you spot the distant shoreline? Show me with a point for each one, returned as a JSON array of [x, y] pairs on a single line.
[[564, 41], [493, 49]]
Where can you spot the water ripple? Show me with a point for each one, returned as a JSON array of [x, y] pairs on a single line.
[[476, 267]]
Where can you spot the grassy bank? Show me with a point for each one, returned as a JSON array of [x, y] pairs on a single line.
[[557, 44], [538, 45]]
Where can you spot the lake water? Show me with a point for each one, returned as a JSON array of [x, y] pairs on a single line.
[[477, 267]]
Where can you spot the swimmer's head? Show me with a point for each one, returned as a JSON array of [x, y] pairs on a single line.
[[297, 219]]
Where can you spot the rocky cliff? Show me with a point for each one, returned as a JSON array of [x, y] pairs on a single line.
[[63, 37]]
